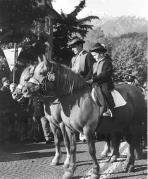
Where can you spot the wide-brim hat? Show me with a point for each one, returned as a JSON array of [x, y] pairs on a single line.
[[75, 41], [98, 48]]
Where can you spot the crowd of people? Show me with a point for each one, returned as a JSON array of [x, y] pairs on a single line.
[[24, 121]]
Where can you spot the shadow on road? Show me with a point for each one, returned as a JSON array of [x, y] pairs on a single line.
[[139, 168], [15, 152], [17, 148]]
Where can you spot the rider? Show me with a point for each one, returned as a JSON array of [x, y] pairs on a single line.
[[83, 61], [102, 75]]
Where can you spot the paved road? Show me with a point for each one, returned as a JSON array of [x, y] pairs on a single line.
[[32, 161]]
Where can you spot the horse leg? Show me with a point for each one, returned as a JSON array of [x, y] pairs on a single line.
[[115, 140], [129, 163], [94, 172], [72, 139], [67, 145], [56, 132], [107, 148], [138, 146]]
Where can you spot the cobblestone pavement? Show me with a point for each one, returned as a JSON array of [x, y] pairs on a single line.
[[32, 161]]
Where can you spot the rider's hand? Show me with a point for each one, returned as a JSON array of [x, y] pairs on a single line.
[[90, 81]]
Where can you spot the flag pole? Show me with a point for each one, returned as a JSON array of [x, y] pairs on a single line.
[[15, 60]]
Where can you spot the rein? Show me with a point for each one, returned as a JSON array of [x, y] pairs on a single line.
[[43, 86]]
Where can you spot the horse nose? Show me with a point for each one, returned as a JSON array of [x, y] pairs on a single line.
[[14, 94], [25, 90]]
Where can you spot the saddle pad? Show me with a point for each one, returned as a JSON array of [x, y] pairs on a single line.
[[118, 99]]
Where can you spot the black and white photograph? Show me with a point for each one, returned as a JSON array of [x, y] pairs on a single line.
[[73, 89]]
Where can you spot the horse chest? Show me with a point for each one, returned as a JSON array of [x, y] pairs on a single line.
[[72, 120]]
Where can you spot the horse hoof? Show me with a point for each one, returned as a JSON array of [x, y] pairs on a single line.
[[54, 163], [125, 168], [113, 159], [67, 175], [93, 176], [103, 155], [66, 165], [130, 168]]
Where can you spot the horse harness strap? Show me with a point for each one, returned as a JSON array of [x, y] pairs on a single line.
[[34, 81]]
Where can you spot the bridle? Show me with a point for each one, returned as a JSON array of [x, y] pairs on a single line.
[[20, 86], [43, 85]]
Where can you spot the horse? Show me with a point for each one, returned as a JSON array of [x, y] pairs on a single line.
[[56, 120], [81, 114], [52, 113]]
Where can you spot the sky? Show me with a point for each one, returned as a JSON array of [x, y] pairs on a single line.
[[114, 8]]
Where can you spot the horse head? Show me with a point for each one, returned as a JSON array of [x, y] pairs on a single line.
[[53, 80], [42, 83], [25, 76]]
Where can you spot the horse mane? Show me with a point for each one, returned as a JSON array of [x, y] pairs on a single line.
[[67, 80], [25, 74]]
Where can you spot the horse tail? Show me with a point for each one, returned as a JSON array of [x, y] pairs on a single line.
[[142, 118]]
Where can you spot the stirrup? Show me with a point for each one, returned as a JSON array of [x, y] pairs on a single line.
[[108, 113]]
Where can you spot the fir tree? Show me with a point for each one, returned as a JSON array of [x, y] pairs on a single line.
[[66, 27]]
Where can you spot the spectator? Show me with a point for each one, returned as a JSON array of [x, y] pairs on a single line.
[[38, 113], [6, 84], [39, 118], [46, 129]]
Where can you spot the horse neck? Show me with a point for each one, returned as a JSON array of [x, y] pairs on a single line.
[[26, 72]]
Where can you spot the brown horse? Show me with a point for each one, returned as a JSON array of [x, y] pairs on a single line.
[[52, 113], [80, 112]]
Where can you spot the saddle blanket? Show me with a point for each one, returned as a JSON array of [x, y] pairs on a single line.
[[118, 99]]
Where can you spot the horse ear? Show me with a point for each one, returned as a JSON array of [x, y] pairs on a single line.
[[39, 59], [45, 59]]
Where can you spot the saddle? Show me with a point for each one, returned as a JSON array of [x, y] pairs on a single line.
[[98, 97]]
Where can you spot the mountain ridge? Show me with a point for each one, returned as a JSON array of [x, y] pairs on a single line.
[[116, 26]]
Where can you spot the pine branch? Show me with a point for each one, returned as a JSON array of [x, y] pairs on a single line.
[[78, 9], [87, 19], [85, 26]]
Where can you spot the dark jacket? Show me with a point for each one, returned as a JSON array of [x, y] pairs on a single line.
[[6, 90], [106, 74], [88, 67]]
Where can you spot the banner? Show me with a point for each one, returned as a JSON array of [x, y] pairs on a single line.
[[9, 54]]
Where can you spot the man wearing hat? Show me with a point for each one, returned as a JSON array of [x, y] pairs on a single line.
[[102, 75], [83, 61]]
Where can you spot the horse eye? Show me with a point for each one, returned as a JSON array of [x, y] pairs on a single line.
[[43, 73], [27, 79]]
